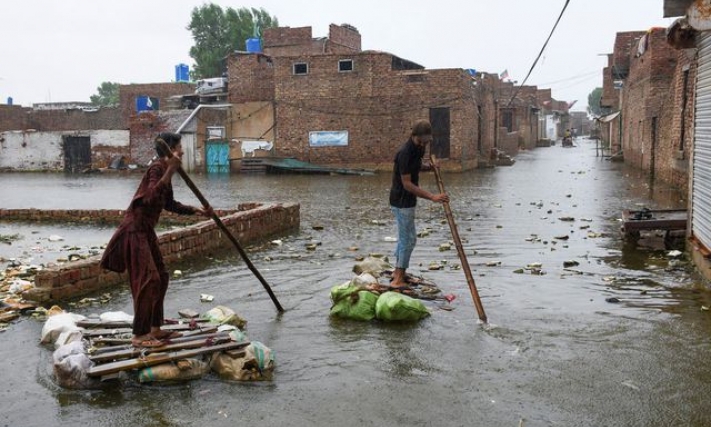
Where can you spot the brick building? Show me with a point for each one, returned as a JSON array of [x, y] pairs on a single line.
[[369, 99]]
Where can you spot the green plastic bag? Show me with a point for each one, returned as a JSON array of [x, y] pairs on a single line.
[[399, 307], [352, 302]]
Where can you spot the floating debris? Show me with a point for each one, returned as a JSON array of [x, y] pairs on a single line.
[[55, 238], [445, 247], [567, 218], [206, 298], [9, 238], [570, 263], [317, 227]]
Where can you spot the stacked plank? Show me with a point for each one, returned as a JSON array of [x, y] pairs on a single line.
[[111, 352]]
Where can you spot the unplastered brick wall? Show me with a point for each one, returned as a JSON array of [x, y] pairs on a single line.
[[251, 78], [255, 223], [374, 103], [13, 117], [675, 150], [646, 104], [129, 93], [343, 39]]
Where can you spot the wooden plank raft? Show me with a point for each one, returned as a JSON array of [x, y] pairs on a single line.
[[119, 331], [159, 358], [126, 352], [104, 345]]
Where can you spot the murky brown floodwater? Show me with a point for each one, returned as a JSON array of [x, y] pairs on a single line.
[[554, 354]]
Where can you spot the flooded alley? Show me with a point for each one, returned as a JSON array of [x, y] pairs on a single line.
[[622, 338]]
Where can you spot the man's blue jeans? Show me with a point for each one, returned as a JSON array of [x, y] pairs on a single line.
[[406, 235]]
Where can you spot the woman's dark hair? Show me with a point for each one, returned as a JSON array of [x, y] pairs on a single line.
[[421, 128], [170, 138]]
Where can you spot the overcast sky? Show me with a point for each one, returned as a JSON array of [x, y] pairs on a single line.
[[58, 51]]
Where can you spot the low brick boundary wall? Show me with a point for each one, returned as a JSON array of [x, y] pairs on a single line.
[[251, 223], [104, 216]]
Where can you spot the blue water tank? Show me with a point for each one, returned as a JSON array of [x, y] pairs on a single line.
[[9, 100], [146, 103], [182, 73], [254, 45]]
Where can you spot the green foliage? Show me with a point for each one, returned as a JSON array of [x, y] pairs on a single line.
[[219, 32], [107, 95], [594, 102]]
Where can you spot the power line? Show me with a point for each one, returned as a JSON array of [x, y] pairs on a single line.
[[540, 53]]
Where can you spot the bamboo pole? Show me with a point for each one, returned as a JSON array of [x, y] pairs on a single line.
[[221, 226], [458, 244]]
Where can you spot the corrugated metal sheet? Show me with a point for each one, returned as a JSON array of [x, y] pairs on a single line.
[[701, 191]]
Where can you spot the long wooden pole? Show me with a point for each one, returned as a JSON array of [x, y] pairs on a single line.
[[458, 244], [221, 226]]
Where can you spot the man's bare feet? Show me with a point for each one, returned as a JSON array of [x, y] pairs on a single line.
[[146, 341]]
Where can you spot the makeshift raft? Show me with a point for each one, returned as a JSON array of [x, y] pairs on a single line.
[[91, 351], [369, 295]]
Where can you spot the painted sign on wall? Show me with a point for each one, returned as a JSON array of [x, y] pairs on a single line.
[[337, 138]]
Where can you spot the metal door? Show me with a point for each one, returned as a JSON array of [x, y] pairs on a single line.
[[217, 154], [77, 153], [701, 165], [439, 118]]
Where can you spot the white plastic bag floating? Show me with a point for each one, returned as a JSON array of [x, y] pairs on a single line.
[[59, 323], [71, 365], [116, 316]]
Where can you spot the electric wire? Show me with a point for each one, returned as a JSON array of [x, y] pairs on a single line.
[[540, 53]]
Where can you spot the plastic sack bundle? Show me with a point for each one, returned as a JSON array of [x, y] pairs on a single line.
[[372, 265], [71, 365], [181, 370], [398, 307], [225, 316], [57, 324], [352, 302], [253, 363]]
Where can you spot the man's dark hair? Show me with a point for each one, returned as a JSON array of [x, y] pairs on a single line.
[[421, 128], [170, 138]]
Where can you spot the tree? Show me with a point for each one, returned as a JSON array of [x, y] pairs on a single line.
[[594, 102], [218, 32], [107, 95]]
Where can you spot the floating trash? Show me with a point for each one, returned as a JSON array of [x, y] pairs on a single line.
[[206, 298]]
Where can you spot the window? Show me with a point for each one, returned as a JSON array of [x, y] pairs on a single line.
[[215, 132], [301, 68], [345, 65]]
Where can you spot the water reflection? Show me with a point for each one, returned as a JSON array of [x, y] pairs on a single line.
[[556, 351]]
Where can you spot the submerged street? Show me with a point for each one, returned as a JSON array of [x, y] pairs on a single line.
[[621, 339]]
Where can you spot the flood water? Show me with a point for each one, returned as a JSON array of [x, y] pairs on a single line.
[[554, 353]]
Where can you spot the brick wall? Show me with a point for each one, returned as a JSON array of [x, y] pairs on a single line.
[[256, 222], [375, 104], [129, 93], [286, 36], [20, 118], [251, 78], [625, 44], [13, 117], [646, 107], [675, 151], [343, 39]]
